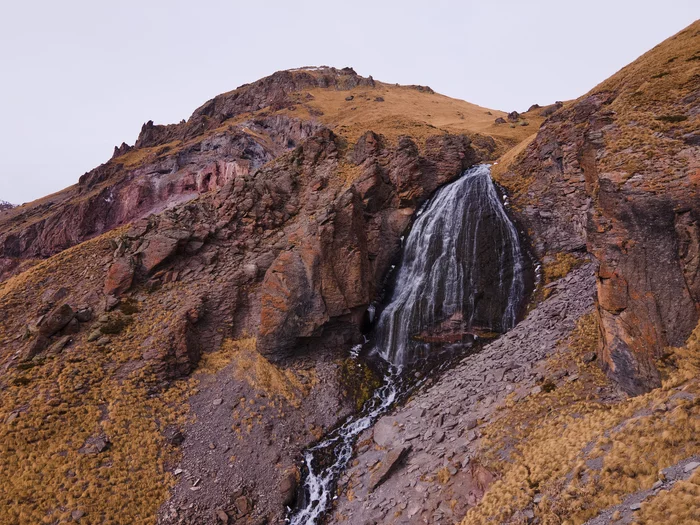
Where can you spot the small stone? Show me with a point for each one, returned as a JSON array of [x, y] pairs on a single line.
[[174, 437], [589, 357], [471, 423], [691, 466], [243, 505], [635, 506], [392, 458], [84, 315], [77, 514], [657, 485], [217, 402], [222, 516], [212, 446]]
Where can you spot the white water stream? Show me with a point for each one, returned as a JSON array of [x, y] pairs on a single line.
[[462, 267]]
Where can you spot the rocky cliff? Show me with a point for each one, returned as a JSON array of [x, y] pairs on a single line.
[[231, 135], [617, 173]]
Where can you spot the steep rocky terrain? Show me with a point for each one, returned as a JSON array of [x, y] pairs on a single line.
[[232, 135], [177, 326], [271, 239], [617, 173]]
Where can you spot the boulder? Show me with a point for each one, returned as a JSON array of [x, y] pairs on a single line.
[[157, 250], [389, 463], [120, 277], [56, 320], [288, 487], [386, 432]]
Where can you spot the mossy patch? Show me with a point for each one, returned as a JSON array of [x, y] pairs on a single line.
[[560, 267], [358, 381]]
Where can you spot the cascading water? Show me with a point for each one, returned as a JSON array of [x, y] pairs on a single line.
[[462, 276]]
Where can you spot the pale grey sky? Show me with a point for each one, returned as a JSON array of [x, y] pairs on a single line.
[[81, 76]]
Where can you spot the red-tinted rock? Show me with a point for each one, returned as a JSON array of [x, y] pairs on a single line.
[[157, 250], [636, 209], [119, 277]]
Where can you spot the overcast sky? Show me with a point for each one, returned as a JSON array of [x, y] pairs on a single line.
[[79, 77]]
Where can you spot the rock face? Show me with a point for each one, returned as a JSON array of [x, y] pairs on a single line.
[[143, 182], [171, 164], [321, 250], [616, 174]]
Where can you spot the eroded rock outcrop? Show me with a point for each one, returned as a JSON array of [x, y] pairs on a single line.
[[315, 248], [615, 173]]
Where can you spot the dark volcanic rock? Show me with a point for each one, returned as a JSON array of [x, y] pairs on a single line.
[[56, 320]]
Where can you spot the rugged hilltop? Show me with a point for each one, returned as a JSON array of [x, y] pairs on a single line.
[[234, 134], [176, 326]]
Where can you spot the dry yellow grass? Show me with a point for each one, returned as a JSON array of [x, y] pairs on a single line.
[[264, 376], [138, 156], [506, 161], [408, 111], [47, 412], [560, 267], [555, 439], [678, 506], [653, 110]]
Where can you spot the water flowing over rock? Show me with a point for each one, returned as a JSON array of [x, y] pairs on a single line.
[[462, 274]]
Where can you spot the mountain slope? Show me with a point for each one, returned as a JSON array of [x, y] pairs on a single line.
[[224, 320], [234, 134], [182, 333], [617, 173]]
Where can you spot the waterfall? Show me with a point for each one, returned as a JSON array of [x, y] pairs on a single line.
[[461, 276]]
